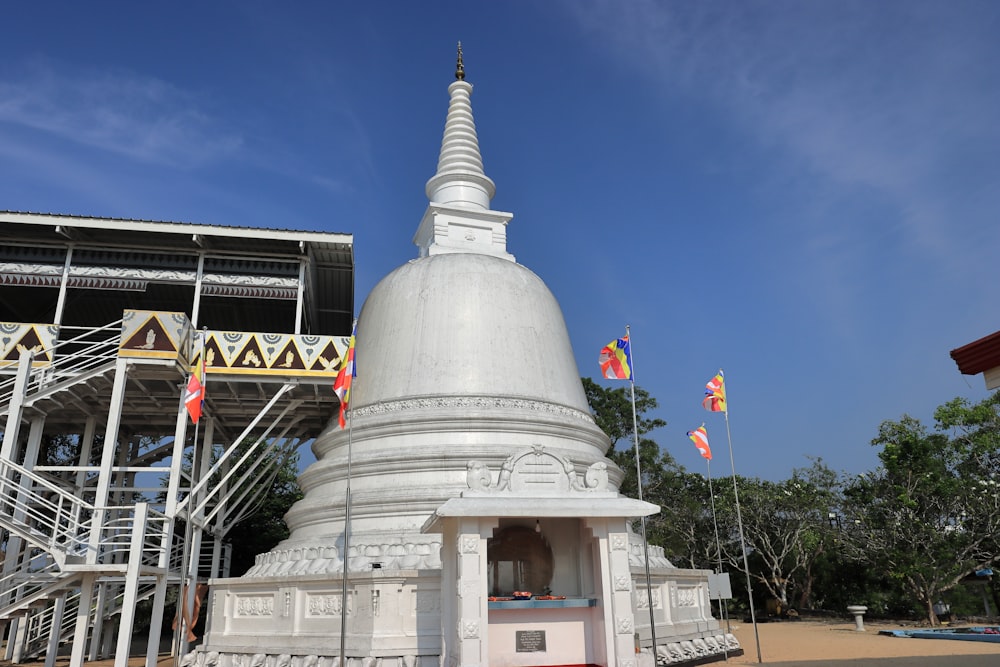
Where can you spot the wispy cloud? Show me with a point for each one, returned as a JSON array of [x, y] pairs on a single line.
[[879, 112], [120, 112]]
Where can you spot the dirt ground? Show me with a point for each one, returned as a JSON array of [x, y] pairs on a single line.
[[813, 644], [838, 644]]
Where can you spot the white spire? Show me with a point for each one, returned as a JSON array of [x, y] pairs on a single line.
[[458, 218], [460, 179]]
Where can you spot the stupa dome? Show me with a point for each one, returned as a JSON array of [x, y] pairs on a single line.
[[464, 325]]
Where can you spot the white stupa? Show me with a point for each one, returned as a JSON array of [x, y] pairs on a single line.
[[476, 472]]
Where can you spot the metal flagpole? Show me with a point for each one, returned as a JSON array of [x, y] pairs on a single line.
[[723, 606], [347, 543], [347, 508], [180, 637], [638, 481], [743, 545]]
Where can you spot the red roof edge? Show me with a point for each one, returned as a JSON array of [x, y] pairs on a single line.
[[978, 356]]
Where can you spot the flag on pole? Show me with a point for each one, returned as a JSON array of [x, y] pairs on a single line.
[[194, 395], [347, 372], [616, 360], [699, 437], [715, 394]]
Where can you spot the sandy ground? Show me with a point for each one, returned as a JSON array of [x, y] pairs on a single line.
[[838, 644], [813, 644]]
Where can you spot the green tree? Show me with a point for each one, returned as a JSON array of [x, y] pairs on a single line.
[[612, 410], [930, 514], [264, 527], [785, 525], [684, 527]]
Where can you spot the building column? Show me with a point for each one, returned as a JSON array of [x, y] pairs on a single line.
[[620, 579], [82, 621], [107, 458]]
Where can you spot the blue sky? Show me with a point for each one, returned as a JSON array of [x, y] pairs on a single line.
[[802, 193]]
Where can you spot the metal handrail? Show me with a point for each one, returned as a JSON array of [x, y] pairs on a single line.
[[48, 516], [89, 350]]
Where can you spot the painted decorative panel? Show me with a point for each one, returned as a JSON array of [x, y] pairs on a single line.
[[271, 354], [17, 336], [156, 335]]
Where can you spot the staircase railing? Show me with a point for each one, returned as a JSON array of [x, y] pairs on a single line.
[[40, 512], [87, 353], [24, 587]]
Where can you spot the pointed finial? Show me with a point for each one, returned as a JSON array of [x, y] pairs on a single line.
[[460, 68]]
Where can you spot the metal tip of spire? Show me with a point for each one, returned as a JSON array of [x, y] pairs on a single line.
[[460, 67]]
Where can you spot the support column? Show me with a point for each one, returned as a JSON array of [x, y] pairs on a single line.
[[16, 406], [82, 621], [156, 621], [86, 447], [472, 607], [20, 639], [97, 632], [130, 595], [58, 609], [63, 285], [619, 577], [107, 458]]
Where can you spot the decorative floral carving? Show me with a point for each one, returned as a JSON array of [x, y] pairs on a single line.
[[255, 606], [687, 596], [470, 629], [469, 403], [623, 582], [624, 625], [619, 542], [469, 544], [642, 597], [327, 605]]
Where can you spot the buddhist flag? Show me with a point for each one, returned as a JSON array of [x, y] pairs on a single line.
[[342, 385], [616, 360], [715, 394], [194, 395], [699, 437]]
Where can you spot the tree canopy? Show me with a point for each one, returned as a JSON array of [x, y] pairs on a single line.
[[898, 538]]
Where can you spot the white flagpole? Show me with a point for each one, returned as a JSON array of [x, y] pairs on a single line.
[[739, 522], [347, 542], [638, 481], [180, 642], [723, 605], [345, 557]]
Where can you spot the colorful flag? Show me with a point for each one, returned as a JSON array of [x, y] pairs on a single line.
[[346, 374], [715, 394], [194, 395], [699, 437], [616, 360]]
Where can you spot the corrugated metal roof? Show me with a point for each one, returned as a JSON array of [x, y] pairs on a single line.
[[329, 298], [187, 225]]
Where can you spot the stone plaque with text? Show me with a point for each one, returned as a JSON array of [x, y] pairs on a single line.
[[530, 641]]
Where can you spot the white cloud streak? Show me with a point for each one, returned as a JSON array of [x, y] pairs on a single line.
[[138, 117]]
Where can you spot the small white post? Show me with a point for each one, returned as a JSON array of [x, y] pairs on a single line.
[[858, 611]]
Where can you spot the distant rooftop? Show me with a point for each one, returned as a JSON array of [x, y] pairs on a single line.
[[981, 356]]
